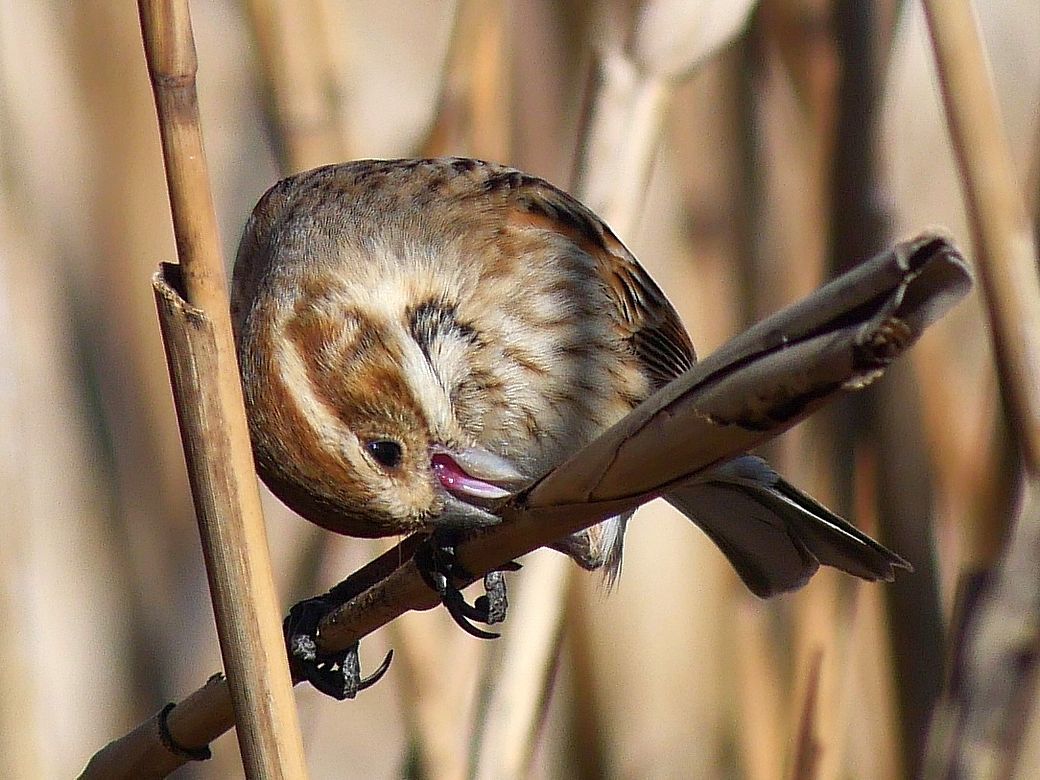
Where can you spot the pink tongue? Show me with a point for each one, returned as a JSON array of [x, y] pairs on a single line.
[[457, 481]]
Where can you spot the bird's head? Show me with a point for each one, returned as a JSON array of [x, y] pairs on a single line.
[[355, 421]]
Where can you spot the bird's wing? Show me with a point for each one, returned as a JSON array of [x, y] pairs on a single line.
[[644, 316]]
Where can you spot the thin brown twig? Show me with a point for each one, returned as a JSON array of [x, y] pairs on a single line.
[[217, 445]]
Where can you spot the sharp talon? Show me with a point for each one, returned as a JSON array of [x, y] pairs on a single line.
[[475, 611], [454, 606], [377, 675], [439, 569], [335, 674]]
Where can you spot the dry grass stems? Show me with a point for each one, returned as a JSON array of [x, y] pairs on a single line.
[[679, 672], [978, 728], [628, 100]]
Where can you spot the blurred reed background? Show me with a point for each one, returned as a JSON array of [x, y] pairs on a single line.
[[812, 139]]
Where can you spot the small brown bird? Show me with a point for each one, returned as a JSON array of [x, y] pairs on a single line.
[[420, 338]]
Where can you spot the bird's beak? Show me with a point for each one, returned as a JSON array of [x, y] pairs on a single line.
[[474, 474]]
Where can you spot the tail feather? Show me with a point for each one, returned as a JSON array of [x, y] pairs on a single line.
[[599, 547], [775, 535]]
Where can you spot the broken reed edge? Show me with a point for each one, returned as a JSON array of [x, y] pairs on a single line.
[[912, 284]]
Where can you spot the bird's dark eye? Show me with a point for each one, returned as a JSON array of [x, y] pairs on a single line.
[[386, 452]]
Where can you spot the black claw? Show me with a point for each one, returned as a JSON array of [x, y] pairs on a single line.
[[460, 612], [335, 674], [439, 568], [377, 675]]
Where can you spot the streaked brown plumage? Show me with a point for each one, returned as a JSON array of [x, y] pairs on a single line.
[[418, 338]]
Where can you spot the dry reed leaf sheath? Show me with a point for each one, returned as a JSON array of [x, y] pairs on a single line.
[[630, 92], [207, 393], [761, 383]]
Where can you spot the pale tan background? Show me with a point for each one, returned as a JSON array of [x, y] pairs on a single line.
[[102, 592]]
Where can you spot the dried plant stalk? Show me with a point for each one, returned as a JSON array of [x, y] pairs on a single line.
[[807, 747], [979, 725], [212, 418], [883, 425], [300, 80], [197, 720], [631, 92], [760, 694], [977, 729], [437, 671], [509, 728], [19, 719], [1002, 231], [473, 106], [628, 98]]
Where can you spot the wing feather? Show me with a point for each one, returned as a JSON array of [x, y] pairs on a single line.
[[645, 318]]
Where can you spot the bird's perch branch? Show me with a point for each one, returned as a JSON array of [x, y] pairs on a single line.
[[755, 387]]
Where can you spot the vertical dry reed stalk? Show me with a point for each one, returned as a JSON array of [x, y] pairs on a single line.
[[798, 116], [473, 107], [19, 715], [1002, 230], [299, 71], [628, 100], [218, 450], [883, 425], [978, 727], [516, 704]]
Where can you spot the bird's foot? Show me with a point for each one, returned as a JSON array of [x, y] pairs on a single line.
[[440, 567], [335, 674]]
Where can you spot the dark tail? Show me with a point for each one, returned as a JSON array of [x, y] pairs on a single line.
[[775, 535]]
